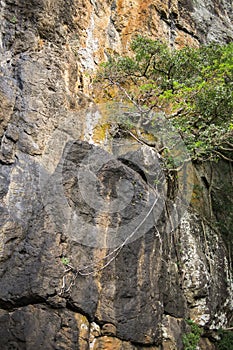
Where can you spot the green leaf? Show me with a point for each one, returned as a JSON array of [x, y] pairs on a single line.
[[65, 261]]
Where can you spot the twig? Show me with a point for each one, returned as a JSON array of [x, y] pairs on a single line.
[[223, 156]]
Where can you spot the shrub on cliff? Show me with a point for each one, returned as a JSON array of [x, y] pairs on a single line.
[[193, 87], [226, 339]]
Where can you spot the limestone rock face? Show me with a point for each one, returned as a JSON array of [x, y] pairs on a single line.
[[85, 263]]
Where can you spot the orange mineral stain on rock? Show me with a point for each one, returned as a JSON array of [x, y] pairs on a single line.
[[108, 343], [104, 29]]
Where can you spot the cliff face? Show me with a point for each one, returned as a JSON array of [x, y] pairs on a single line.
[[65, 210]]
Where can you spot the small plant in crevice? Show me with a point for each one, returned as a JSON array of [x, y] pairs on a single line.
[[190, 340], [13, 20], [225, 341], [65, 261]]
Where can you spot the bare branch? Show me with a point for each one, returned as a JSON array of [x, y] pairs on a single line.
[[223, 156]]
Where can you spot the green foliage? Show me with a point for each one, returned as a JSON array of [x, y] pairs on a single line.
[[65, 261], [191, 339], [13, 20], [193, 86], [226, 340]]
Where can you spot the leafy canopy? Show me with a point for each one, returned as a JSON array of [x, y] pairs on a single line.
[[192, 86]]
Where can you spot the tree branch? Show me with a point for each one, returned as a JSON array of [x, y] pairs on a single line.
[[222, 156]]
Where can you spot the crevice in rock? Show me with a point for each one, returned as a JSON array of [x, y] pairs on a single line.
[[23, 301], [205, 181], [139, 345], [71, 306], [185, 30], [134, 167]]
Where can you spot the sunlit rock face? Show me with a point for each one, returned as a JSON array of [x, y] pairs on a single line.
[[94, 253]]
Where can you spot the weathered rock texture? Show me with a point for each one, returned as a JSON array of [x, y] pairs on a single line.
[[49, 130]]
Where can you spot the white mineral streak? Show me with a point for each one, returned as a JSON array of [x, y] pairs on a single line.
[[194, 270], [2, 7], [113, 37], [87, 53], [92, 119], [220, 317], [94, 333]]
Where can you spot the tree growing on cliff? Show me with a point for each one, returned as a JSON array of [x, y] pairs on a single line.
[[193, 87]]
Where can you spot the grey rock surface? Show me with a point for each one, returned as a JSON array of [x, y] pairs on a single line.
[[62, 184]]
